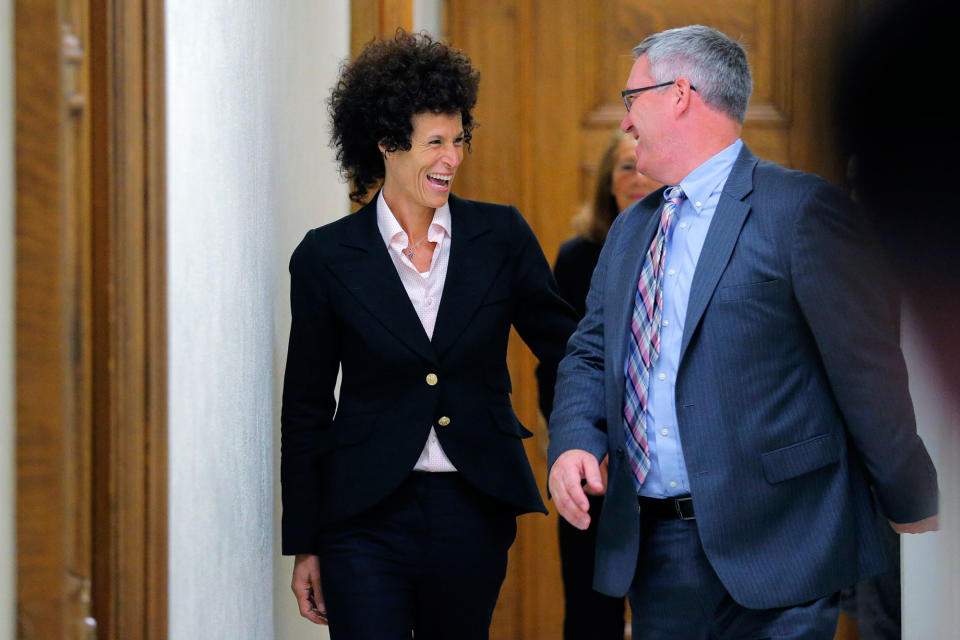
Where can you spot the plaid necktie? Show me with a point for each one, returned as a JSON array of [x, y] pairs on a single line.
[[643, 348]]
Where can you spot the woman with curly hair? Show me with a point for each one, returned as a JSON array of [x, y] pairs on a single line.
[[400, 498]]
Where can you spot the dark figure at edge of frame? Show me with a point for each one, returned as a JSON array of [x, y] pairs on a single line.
[[893, 148]]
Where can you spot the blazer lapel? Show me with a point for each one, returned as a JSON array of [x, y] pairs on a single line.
[[721, 238], [366, 269], [474, 262], [624, 273]]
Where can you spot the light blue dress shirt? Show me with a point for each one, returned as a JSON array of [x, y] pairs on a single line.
[[668, 473]]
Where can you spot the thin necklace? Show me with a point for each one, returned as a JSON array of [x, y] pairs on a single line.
[[410, 250]]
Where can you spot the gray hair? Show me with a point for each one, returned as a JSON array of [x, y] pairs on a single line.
[[712, 62]]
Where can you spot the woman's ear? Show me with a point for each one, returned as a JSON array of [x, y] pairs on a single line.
[[382, 147]]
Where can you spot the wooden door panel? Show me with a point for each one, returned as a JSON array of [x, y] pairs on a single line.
[[551, 75], [762, 26], [53, 507], [91, 458]]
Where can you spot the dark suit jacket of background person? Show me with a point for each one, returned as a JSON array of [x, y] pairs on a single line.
[[791, 392], [350, 309], [575, 263]]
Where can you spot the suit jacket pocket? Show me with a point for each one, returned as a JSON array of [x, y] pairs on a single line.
[[350, 430], [800, 458], [753, 290], [507, 422]]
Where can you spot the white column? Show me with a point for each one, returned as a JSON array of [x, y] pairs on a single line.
[[309, 193], [7, 445], [931, 561], [222, 224], [249, 171]]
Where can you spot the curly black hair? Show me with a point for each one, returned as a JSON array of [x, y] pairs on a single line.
[[379, 92]]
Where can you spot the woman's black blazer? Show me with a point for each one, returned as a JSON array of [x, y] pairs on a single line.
[[351, 312]]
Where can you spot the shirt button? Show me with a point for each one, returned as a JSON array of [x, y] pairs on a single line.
[[698, 204], [428, 302], [432, 379], [673, 484], [666, 323], [664, 432], [443, 421], [683, 225], [662, 376], [671, 272]]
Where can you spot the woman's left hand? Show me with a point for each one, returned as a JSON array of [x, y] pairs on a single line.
[[306, 587]]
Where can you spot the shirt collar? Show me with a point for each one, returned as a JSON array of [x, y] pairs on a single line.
[[710, 176], [389, 227]]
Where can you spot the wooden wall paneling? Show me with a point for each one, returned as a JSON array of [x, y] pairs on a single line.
[[364, 23], [130, 434], [591, 98], [78, 220], [91, 480], [45, 341], [502, 144], [104, 601], [377, 19], [496, 39], [395, 13], [551, 175], [556, 122], [817, 26], [770, 51], [155, 310]]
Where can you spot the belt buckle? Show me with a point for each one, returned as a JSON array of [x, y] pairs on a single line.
[[676, 504]]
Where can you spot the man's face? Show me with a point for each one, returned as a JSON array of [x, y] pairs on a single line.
[[647, 121]]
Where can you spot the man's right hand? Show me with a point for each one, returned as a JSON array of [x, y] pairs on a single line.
[[566, 475], [306, 586]]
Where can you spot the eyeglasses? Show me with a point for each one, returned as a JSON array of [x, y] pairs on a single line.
[[631, 94]]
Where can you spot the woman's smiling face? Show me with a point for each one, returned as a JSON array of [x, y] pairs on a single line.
[[422, 176]]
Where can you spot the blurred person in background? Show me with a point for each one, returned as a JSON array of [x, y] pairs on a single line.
[[618, 185], [903, 151], [901, 166]]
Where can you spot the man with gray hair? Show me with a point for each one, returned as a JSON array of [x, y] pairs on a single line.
[[739, 363]]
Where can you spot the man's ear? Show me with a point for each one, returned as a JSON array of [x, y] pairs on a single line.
[[683, 93], [382, 147]]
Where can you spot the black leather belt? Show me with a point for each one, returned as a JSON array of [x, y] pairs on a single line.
[[667, 508]]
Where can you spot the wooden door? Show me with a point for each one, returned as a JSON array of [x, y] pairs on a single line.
[[551, 75], [54, 399], [91, 466]]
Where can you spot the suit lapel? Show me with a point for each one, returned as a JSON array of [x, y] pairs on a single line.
[[721, 238], [365, 268], [624, 269], [474, 262]]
